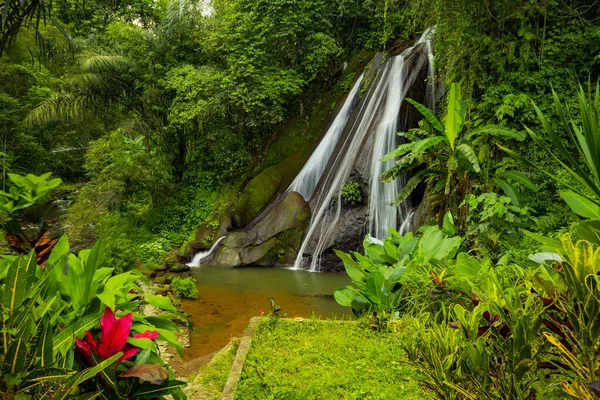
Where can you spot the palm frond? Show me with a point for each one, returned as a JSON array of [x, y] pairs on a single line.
[[59, 107], [103, 63]]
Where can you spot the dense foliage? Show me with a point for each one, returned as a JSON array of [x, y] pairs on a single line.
[[162, 117]]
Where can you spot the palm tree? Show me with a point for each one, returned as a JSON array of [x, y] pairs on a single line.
[[17, 14], [101, 78]]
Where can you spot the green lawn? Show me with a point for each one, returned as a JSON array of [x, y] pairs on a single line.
[[325, 360]]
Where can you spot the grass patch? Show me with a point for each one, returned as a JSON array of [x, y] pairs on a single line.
[[214, 375], [325, 360]]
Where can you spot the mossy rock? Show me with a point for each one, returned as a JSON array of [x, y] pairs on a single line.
[[164, 290], [179, 268], [171, 260], [271, 241], [162, 280], [158, 268], [256, 196]]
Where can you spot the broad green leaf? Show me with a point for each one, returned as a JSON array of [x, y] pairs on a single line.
[[60, 251], [448, 226], [497, 131], [45, 352], [399, 151], [581, 205], [468, 152], [354, 271], [589, 230], [344, 297], [454, 117], [140, 343], [14, 360], [15, 288], [422, 146], [509, 191], [150, 391], [519, 177], [410, 186], [82, 376], [143, 356], [65, 339], [551, 244], [163, 322], [159, 301], [428, 114]]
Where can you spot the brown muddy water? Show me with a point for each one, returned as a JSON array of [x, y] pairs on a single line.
[[229, 297]]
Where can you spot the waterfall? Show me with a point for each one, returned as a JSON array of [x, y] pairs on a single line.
[[378, 113], [382, 213], [406, 224], [308, 178], [204, 255]]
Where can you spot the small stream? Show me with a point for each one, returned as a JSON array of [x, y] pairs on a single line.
[[229, 297]]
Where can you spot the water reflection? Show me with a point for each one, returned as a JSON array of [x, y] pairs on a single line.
[[228, 298]]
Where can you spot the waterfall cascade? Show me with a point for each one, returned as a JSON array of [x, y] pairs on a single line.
[[377, 113], [202, 256], [310, 175], [382, 213]]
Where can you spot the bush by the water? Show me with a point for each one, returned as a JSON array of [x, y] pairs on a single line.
[[185, 288]]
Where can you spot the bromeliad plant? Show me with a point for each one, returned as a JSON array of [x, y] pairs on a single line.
[[29, 363], [46, 310], [144, 376]]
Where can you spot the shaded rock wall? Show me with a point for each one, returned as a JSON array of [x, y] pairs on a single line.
[[272, 240]]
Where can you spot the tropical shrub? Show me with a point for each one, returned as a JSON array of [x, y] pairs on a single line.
[[571, 289], [185, 288], [496, 342], [377, 276], [45, 312], [27, 202], [578, 153], [494, 221], [152, 254], [439, 154], [351, 193]]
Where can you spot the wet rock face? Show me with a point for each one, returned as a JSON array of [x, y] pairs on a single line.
[[270, 241], [256, 196]]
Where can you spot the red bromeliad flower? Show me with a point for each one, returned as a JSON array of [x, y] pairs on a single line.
[[113, 339]]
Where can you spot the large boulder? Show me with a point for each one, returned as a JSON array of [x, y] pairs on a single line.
[[256, 196], [272, 240]]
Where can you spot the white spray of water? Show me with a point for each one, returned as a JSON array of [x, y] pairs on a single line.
[[406, 224], [204, 255], [308, 178]]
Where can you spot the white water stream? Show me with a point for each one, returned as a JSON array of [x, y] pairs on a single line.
[[382, 213], [381, 110], [204, 255], [310, 175]]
